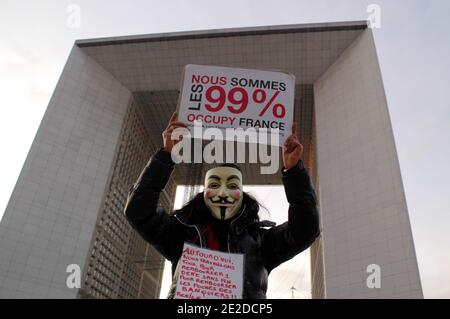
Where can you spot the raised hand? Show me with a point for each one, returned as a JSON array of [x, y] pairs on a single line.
[[167, 134], [292, 149]]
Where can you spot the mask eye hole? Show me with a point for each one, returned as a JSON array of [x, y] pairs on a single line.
[[233, 186], [213, 185]]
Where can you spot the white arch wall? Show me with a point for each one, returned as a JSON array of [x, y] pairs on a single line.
[[364, 213], [51, 215]]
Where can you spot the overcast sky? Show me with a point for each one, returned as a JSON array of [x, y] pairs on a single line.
[[414, 54]]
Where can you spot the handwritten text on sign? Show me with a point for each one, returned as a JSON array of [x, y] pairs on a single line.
[[222, 97], [209, 274]]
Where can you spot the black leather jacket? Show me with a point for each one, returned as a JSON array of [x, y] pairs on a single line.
[[264, 248]]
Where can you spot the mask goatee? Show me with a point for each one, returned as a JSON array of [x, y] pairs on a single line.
[[222, 213]]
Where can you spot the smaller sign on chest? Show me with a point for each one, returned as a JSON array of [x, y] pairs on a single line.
[[208, 274]]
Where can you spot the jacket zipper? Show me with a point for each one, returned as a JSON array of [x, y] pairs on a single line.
[[229, 230], [198, 231]]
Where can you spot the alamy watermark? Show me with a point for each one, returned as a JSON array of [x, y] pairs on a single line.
[[263, 145], [73, 20], [374, 18], [74, 278], [374, 279]]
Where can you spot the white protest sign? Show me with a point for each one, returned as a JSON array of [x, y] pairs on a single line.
[[209, 274], [222, 97]]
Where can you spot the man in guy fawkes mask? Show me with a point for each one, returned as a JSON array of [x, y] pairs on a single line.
[[223, 191], [225, 218]]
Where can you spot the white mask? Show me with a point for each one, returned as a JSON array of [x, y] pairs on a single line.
[[223, 191]]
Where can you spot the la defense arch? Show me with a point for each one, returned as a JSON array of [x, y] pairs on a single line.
[[105, 118]]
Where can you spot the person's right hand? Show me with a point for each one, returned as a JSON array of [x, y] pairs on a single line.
[[167, 134]]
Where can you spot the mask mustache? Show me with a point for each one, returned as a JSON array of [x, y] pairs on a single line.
[[222, 201]]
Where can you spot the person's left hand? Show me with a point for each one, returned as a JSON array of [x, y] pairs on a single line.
[[292, 149]]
